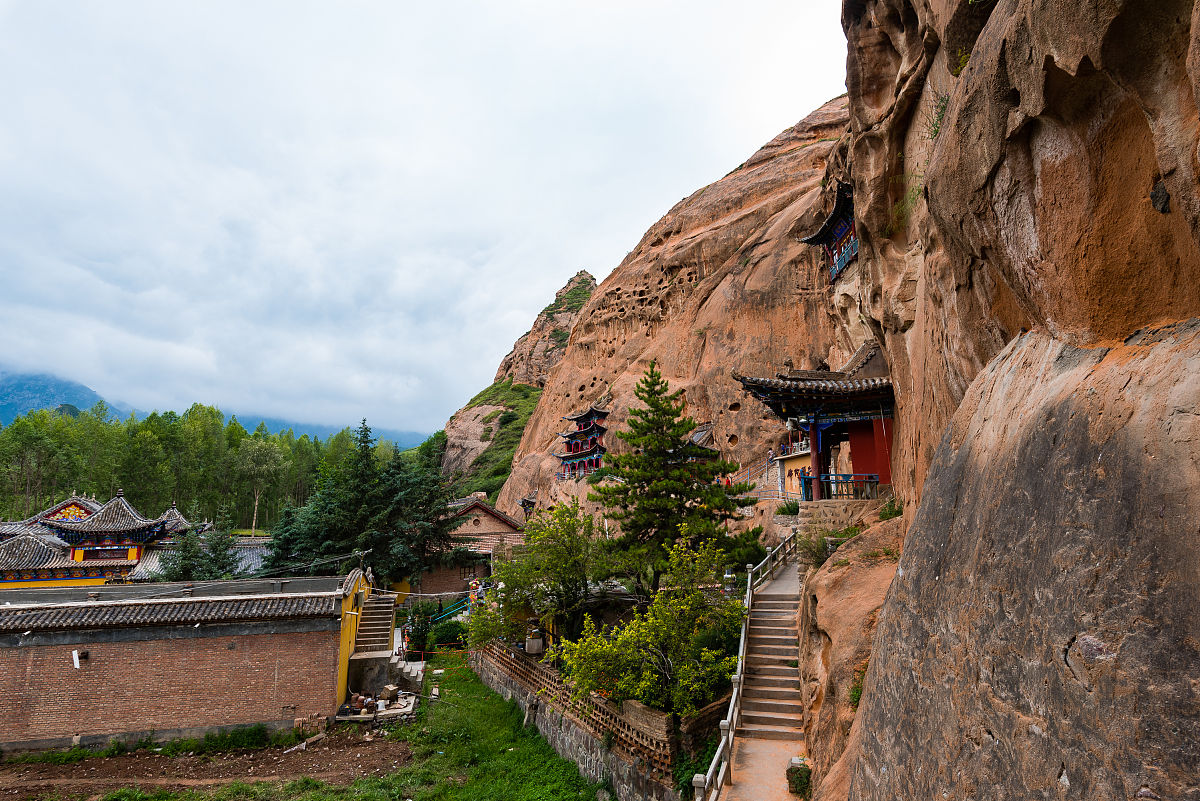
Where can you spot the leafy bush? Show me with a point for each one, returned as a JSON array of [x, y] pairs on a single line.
[[893, 508], [791, 507], [661, 657], [419, 615], [688, 765], [812, 549], [448, 632], [799, 779]]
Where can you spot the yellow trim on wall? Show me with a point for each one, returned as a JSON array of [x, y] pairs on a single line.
[[70, 582], [351, 608]]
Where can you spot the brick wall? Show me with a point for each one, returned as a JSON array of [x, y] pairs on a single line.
[[166, 683], [448, 579]]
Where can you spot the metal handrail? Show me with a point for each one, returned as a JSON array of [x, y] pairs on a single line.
[[707, 786]]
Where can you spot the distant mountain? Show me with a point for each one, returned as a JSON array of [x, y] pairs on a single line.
[[24, 392]]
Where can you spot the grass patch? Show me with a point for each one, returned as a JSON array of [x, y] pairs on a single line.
[[856, 686], [251, 737], [570, 301], [559, 337], [490, 469], [791, 507], [883, 553]]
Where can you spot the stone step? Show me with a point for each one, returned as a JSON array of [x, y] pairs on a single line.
[[784, 671], [777, 596], [755, 731], [754, 660], [772, 639], [771, 650], [750, 693], [782, 720], [770, 629], [781, 707], [782, 682]]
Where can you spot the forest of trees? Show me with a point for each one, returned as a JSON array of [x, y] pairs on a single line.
[[197, 459]]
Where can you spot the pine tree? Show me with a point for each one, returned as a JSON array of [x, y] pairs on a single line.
[[222, 560], [187, 562], [411, 527], [665, 480]]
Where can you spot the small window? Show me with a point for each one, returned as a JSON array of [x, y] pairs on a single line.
[[475, 521], [466, 571]]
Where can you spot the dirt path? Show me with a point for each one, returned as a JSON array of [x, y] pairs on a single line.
[[338, 759]]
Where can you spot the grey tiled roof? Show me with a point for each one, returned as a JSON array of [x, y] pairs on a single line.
[[29, 551], [166, 611], [116, 516], [847, 386]]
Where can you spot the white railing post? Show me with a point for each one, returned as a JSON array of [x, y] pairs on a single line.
[[699, 788], [727, 738]]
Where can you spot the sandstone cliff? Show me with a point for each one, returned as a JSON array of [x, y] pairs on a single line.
[[720, 283], [481, 436], [541, 348], [1031, 166]]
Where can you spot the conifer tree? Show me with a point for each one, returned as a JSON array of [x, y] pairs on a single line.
[[187, 562], [665, 480], [219, 547]]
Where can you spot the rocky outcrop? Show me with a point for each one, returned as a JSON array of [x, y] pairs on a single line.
[[468, 434], [541, 348], [837, 624], [475, 428], [1041, 638], [720, 283], [1031, 166]]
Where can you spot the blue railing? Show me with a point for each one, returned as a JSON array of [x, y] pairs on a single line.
[[842, 259], [849, 485], [454, 609]]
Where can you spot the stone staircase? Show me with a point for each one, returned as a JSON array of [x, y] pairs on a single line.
[[771, 701], [376, 625]]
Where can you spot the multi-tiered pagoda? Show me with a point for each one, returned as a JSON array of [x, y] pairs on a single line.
[[583, 448], [81, 541]]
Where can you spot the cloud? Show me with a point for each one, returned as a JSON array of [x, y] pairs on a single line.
[[328, 210]]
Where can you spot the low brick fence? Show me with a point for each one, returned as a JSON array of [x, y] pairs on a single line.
[[632, 746]]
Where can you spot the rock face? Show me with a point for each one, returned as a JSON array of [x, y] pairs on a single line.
[[541, 348], [472, 429], [1031, 166], [838, 617], [1006, 157], [720, 283], [1041, 639]]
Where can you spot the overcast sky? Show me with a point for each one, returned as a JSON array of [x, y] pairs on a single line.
[[324, 211]]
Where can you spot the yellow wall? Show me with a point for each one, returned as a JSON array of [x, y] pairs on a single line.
[[356, 582], [67, 582], [402, 589], [130, 553]]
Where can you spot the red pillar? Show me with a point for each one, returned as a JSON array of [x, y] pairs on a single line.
[[883, 449], [815, 456]]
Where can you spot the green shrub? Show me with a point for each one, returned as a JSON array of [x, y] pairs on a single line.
[[419, 615], [448, 632], [688, 765], [893, 508], [799, 779], [791, 507], [812, 549], [856, 686]]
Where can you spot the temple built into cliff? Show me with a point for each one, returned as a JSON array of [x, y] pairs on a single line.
[[583, 447], [848, 414], [837, 235]]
